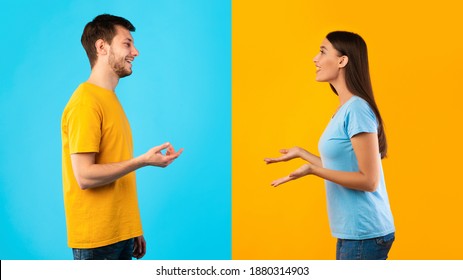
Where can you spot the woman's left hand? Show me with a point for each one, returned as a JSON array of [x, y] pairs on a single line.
[[302, 171]]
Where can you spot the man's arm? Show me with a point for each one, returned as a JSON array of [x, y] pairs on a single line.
[[90, 174]]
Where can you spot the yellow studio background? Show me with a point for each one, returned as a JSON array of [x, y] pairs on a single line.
[[415, 51]]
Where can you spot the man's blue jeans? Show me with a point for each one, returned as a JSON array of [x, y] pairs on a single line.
[[366, 249], [118, 251]]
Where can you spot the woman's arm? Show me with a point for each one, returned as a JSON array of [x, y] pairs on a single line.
[[313, 159], [365, 146]]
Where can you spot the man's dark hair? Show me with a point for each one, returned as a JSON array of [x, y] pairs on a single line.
[[102, 27]]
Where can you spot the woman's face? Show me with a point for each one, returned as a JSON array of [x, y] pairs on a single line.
[[328, 63]]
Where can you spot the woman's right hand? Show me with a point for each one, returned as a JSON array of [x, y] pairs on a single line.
[[287, 154]]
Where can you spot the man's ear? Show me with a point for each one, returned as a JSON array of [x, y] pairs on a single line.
[[343, 60], [100, 46]]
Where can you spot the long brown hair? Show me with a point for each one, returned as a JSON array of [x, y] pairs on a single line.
[[358, 75]]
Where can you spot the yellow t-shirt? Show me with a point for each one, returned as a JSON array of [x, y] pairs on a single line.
[[94, 121]]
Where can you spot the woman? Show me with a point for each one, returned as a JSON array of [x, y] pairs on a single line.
[[351, 150]]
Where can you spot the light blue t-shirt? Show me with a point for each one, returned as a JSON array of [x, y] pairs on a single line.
[[353, 214]]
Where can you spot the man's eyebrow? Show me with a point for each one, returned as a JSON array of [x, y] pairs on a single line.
[[323, 47]]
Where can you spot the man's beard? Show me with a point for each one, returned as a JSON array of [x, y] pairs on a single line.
[[118, 66]]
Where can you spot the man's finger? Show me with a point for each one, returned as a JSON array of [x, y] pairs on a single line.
[[170, 150], [143, 249], [180, 151], [161, 147]]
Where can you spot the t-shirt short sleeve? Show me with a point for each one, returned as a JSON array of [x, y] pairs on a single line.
[[84, 129], [360, 118]]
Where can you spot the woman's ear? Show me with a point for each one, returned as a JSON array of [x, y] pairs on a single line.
[[343, 60]]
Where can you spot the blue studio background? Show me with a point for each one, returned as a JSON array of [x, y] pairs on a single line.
[[180, 91]]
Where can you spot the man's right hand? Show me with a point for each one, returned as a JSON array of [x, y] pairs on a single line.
[[155, 157]]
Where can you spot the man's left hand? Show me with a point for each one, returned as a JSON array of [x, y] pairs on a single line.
[[139, 247]]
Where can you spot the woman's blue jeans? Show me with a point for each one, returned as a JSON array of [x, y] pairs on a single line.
[[366, 249], [118, 251]]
